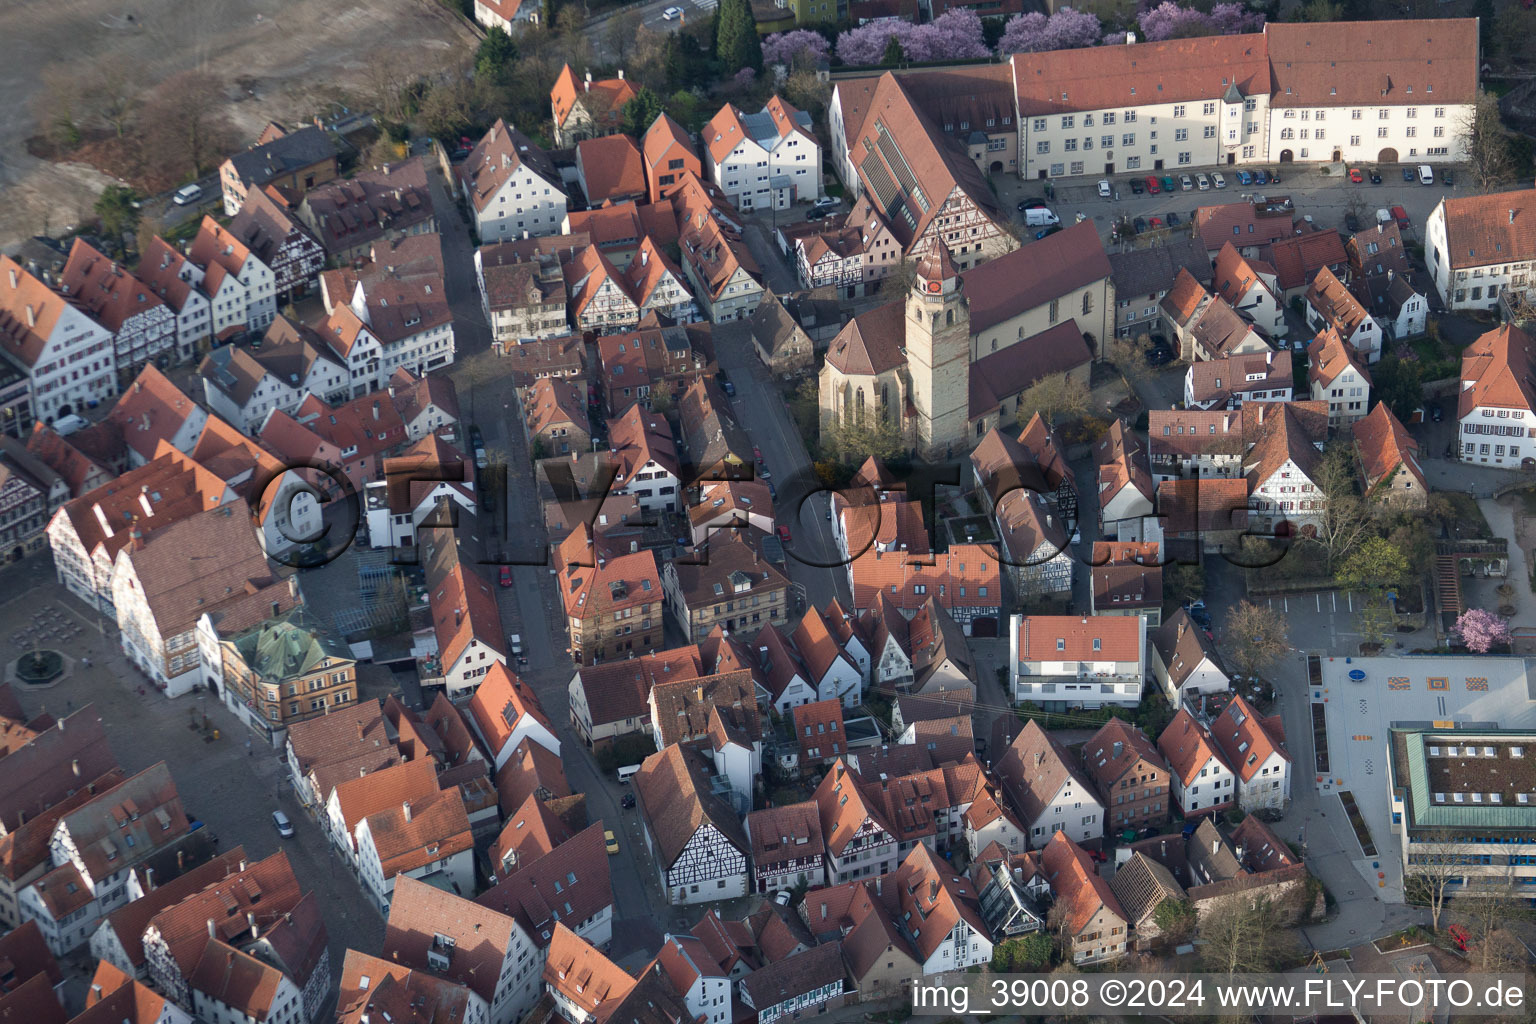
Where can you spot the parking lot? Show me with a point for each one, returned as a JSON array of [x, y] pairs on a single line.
[[1324, 197]]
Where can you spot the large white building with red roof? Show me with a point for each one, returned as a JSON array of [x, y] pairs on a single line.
[[67, 357], [767, 160], [1497, 407], [1476, 247], [143, 327], [241, 288], [512, 187]]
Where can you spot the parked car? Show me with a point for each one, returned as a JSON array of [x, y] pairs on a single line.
[[627, 801], [1152, 185], [1244, 178], [187, 195], [816, 213], [1261, 177], [827, 203], [1104, 189], [782, 897], [1033, 204], [282, 824], [1356, 175], [784, 534], [1156, 223], [1445, 176], [672, 13], [506, 575], [1426, 174], [1173, 220], [1401, 216], [1351, 222], [1047, 231], [757, 455], [1436, 414], [1139, 225], [1169, 185], [1218, 181], [610, 841], [1039, 217], [1408, 174], [1375, 177], [1202, 182], [1137, 186], [1186, 183]]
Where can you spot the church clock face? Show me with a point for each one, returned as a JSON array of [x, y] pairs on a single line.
[[935, 286]]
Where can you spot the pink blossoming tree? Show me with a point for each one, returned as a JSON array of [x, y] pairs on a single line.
[[790, 48], [1481, 630], [1065, 30], [953, 35], [865, 45]]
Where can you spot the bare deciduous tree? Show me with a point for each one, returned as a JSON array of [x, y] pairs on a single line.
[[1432, 869], [1256, 636], [1243, 938], [1347, 518], [1487, 143], [183, 134], [1056, 395]]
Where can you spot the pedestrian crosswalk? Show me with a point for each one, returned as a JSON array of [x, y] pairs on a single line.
[[706, 5]]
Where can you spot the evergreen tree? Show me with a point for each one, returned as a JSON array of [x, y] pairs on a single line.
[[893, 52], [494, 58], [737, 44], [640, 112]]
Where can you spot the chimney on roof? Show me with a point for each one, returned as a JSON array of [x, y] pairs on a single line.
[[250, 922], [15, 279], [242, 865], [405, 809], [621, 74], [74, 766], [31, 317], [149, 879], [212, 932], [375, 410]]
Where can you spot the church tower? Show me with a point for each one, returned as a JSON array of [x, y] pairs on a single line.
[[938, 337]]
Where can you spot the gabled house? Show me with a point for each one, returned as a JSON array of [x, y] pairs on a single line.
[[1185, 443], [694, 974], [831, 670], [859, 842], [657, 285], [695, 837], [1202, 780], [819, 731], [1184, 660], [1142, 277], [782, 679], [556, 417], [380, 204], [1389, 460], [668, 152], [512, 187], [765, 160], [586, 109], [729, 584], [1127, 579], [353, 799], [245, 385], [1228, 382], [610, 170], [1093, 924], [372, 986], [1298, 259], [268, 226], [1131, 774], [1048, 790], [613, 602], [241, 290], [488, 952], [428, 839], [425, 404], [787, 847], [290, 161], [143, 326], [1126, 487], [598, 293], [505, 711], [466, 635], [810, 981], [46, 336], [580, 979], [1014, 892], [1477, 247], [168, 273], [1497, 384], [1280, 468], [725, 277], [1205, 325], [1251, 287], [1340, 378], [612, 699], [431, 480], [1331, 307], [1255, 748], [522, 292]]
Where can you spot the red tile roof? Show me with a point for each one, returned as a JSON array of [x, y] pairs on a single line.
[[1496, 370], [572, 883], [1298, 259], [1187, 745], [1079, 638], [1355, 63], [1246, 740], [580, 974], [1209, 503], [1077, 886], [967, 575], [612, 168], [1385, 446], [1064, 81], [604, 99], [1001, 289], [367, 795], [482, 937], [1496, 228], [501, 703]]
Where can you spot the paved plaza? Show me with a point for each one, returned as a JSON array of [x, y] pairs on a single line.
[[1362, 698]]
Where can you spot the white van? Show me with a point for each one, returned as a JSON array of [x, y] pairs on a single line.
[[628, 772], [66, 425], [1040, 218], [1426, 174]]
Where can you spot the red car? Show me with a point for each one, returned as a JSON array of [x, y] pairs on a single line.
[[757, 454], [506, 575], [1152, 186], [1355, 175], [783, 532], [1155, 224]]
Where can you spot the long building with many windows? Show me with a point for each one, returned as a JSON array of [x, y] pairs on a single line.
[[1370, 92]]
